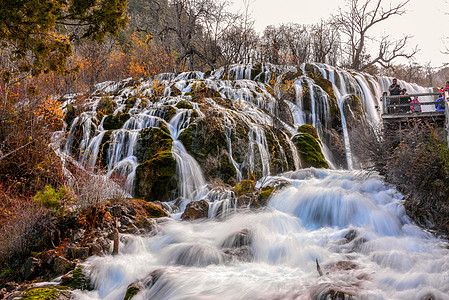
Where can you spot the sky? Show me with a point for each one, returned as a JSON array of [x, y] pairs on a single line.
[[426, 20]]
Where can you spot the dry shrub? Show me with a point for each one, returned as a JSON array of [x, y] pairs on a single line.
[[95, 190], [417, 163], [23, 231]]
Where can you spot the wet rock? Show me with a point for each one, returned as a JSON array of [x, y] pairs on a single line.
[[47, 257], [151, 278], [132, 290], [238, 239], [196, 210], [245, 200], [155, 209], [31, 268], [351, 235], [62, 265], [344, 265], [241, 254], [76, 279]]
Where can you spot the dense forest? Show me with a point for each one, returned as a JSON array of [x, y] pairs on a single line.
[[53, 48]]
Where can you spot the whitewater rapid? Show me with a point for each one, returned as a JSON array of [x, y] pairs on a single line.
[[350, 221]]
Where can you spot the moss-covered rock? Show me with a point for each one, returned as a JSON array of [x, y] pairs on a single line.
[[132, 290], [308, 129], [47, 293], [184, 104], [156, 178], [115, 122], [309, 151], [265, 194], [245, 186], [151, 141], [76, 280]]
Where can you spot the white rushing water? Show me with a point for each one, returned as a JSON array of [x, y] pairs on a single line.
[[351, 222]]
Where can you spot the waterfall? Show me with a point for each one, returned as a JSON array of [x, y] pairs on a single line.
[[245, 101]]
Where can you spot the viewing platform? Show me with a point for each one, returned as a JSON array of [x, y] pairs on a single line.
[[398, 108]]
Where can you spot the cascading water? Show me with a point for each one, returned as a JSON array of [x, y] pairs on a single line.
[[226, 127], [353, 224]]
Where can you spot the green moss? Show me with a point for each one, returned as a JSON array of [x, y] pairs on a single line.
[[265, 194], [131, 292], [184, 104], [312, 71], [115, 122], [308, 129], [143, 103], [243, 187], [151, 141], [309, 151], [168, 112], [70, 114], [77, 280], [50, 293], [156, 178]]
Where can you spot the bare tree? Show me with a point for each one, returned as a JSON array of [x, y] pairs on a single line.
[[326, 42], [356, 22]]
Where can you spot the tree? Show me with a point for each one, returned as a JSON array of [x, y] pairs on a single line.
[[38, 33], [355, 24]]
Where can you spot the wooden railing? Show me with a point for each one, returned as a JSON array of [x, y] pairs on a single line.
[[393, 108]]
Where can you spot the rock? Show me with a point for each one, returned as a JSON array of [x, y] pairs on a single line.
[[155, 210], [76, 279], [245, 200], [309, 151], [265, 194], [351, 235], [156, 178], [94, 248], [132, 290], [238, 239], [125, 221], [241, 254], [77, 252], [78, 235], [116, 211], [51, 292], [47, 257], [244, 187], [112, 122], [30, 268], [62, 265], [196, 210]]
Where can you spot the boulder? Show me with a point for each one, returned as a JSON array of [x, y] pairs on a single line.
[[196, 210], [156, 178], [31, 268], [238, 239], [62, 265], [309, 151]]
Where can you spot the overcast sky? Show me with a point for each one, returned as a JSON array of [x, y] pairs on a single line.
[[426, 20]]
